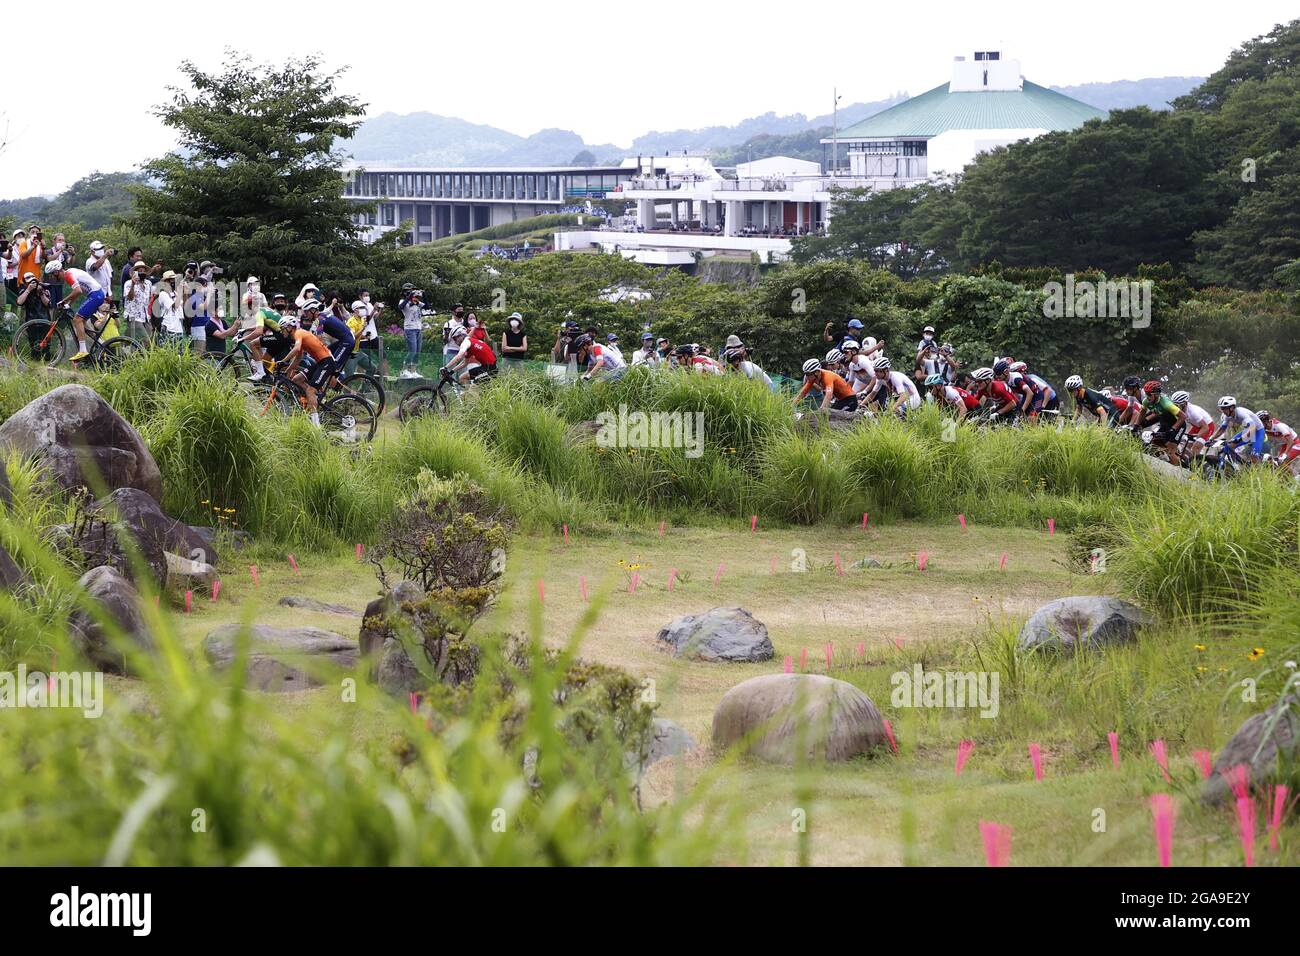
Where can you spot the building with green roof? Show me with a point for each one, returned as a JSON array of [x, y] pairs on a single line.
[[986, 104]]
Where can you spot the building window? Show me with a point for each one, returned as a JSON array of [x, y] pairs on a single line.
[[389, 213]]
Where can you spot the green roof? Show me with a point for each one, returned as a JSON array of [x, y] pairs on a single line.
[[935, 112]]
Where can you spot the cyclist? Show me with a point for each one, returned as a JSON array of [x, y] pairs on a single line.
[[836, 393], [1279, 431], [900, 390], [82, 283], [950, 396], [1169, 418], [1200, 424], [1091, 402], [736, 361], [834, 361], [1134, 399], [1251, 429], [317, 363], [1016, 383], [1001, 401], [342, 339]]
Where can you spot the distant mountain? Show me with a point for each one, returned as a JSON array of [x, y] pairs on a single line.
[[427, 139], [91, 202], [1155, 92]]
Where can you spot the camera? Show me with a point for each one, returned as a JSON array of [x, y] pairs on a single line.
[[218, 271]]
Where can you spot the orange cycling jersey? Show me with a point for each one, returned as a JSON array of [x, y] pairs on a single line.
[[311, 345], [827, 381]]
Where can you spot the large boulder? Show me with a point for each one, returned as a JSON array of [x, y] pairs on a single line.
[[6, 489], [1241, 749], [1167, 469], [1072, 622], [719, 634], [81, 442], [311, 604], [838, 720], [120, 601], [11, 576], [407, 618], [140, 515], [281, 659]]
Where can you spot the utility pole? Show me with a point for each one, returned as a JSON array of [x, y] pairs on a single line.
[[835, 130]]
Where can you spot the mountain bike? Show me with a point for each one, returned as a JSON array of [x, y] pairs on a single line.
[[346, 419], [429, 399], [238, 364], [46, 342]]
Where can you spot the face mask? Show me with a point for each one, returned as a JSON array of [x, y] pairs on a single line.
[[366, 299]]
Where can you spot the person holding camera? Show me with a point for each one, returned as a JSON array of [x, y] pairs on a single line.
[[100, 266], [134, 257], [412, 308], [9, 259], [34, 298], [137, 292]]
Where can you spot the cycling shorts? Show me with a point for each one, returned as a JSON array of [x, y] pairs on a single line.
[[90, 305], [1258, 444], [319, 372]]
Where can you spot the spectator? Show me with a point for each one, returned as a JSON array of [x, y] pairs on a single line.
[[514, 341], [137, 291], [170, 311], [135, 255], [9, 256], [199, 309], [368, 352], [412, 308], [100, 266], [31, 251], [34, 298], [309, 291], [611, 348], [646, 354], [60, 252]]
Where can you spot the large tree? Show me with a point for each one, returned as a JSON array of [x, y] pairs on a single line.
[[256, 182]]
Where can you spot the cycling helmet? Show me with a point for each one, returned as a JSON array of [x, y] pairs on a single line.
[[869, 342], [288, 323], [1001, 367], [582, 341], [1152, 386], [882, 364], [311, 305], [933, 380], [947, 348], [1132, 382], [51, 268], [1018, 366], [849, 344], [1228, 401], [1073, 382], [1180, 398], [811, 366], [982, 375], [834, 357], [1263, 415]]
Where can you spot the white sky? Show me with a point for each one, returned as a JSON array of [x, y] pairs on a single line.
[[607, 71]]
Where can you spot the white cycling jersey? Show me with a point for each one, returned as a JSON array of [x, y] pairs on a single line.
[[1198, 419], [901, 384], [1243, 417]]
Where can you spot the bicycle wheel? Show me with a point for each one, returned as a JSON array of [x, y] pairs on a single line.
[[349, 419], [424, 400], [39, 342], [236, 365], [368, 387], [117, 350], [273, 397]]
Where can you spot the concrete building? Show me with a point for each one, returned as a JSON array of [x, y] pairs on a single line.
[[987, 103], [446, 201]]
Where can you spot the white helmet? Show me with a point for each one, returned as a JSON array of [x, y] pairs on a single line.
[[1180, 398], [881, 364], [1073, 382], [1227, 401], [834, 357], [868, 342], [850, 344], [51, 268], [982, 375], [812, 365]]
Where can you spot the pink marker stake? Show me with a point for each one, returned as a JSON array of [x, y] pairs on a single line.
[[216, 588], [293, 564], [961, 520], [839, 565], [414, 699], [636, 579], [1051, 526], [717, 575], [672, 576], [997, 843], [1036, 758], [361, 551], [252, 569], [189, 601], [889, 732], [541, 590], [1205, 760], [830, 652], [1113, 737], [803, 660], [1162, 814], [862, 647], [753, 523], [1246, 828], [582, 587], [1002, 562], [1276, 812], [898, 643], [921, 559], [963, 754], [566, 534], [789, 664], [662, 525], [864, 521], [1239, 781], [1162, 758]]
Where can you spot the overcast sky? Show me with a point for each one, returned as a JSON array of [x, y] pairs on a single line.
[[607, 71]]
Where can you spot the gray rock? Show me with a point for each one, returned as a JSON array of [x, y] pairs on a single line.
[[236, 536], [311, 604], [1067, 623], [719, 634], [1240, 750], [119, 599], [81, 442], [139, 514], [1165, 469], [189, 570], [281, 659], [833, 719], [6, 489], [390, 664], [11, 576], [667, 739], [868, 563]]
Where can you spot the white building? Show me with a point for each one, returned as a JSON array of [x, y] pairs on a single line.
[[986, 104]]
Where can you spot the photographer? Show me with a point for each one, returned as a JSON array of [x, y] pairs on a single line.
[[33, 298], [30, 250], [137, 291], [100, 266], [134, 257], [411, 306], [60, 252], [9, 257]]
